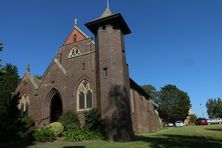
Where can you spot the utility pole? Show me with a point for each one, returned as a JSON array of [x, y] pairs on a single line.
[[201, 110]]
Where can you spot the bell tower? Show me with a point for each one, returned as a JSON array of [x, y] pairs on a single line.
[[112, 79]]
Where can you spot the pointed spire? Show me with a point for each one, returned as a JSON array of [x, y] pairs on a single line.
[[28, 68], [107, 4], [107, 12]]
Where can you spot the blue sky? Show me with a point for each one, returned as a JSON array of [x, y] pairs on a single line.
[[172, 42]]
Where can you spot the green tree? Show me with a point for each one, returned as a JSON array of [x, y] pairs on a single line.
[[1, 48], [151, 90], [8, 83], [214, 107], [193, 118], [174, 104]]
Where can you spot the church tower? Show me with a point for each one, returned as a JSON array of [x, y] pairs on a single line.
[[112, 78]]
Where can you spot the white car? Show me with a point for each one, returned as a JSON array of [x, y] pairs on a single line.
[[169, 124], [179, 123], [214, 121]]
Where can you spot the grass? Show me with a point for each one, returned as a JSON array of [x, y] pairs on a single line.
[[209, 136]]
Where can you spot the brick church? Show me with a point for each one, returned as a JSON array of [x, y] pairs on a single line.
[[86, 74]]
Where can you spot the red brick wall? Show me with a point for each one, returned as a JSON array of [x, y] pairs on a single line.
[[145, 118], [79, 37]]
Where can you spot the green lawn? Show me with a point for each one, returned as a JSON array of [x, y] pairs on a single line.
[[189, 136]]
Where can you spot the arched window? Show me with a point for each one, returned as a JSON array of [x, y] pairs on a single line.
[[23, 104], [74, 52], [84, 96]]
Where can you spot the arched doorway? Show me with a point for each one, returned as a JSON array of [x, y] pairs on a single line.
[[56, 108]]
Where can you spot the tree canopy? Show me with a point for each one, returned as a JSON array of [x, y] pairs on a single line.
[[174, 104], [1, 48], [151, 90], [214, 107], [8, 83]]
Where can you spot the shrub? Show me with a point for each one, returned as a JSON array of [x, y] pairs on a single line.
[[26, 127], [70, 121], [92, 130], [57, 128], [93, 120], [82, 134], [26, 121], [44, 134], [74, 135], [95, 135]]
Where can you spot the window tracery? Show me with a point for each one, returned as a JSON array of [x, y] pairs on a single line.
[[23, 104], [75, 51], [84, 96]]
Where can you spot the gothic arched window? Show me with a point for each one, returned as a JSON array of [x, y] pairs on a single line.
[[75, 51], [84, 96], [23, 104]]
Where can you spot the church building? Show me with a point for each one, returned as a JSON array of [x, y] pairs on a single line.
[[87, 73]]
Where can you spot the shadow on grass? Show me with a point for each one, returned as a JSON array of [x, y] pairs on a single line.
[[214, 129], [175, 141], [15, 144], [73, 147]]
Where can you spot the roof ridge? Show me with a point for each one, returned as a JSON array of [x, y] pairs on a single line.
[[32, 80], [60, 66]]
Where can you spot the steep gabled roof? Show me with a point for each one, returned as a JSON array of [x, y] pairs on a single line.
[[79, 35], [27, 76], [56, 62]]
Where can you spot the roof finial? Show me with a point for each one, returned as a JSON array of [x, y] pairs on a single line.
[[76, 22]]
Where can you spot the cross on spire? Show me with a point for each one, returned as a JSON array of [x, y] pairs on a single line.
[[76, 22]]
